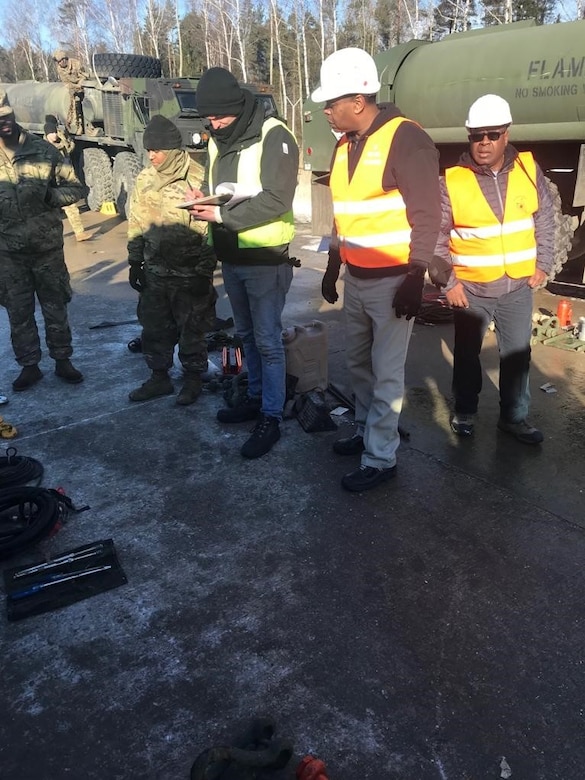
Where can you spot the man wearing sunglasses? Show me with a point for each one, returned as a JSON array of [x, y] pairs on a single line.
[[496, 245]]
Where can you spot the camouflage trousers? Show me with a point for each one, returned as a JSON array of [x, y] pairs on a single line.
[[74, 217], [171, 315], [74, 121], [22, 277]]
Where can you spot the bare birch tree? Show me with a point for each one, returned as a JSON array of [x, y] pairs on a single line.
[[179, 65]]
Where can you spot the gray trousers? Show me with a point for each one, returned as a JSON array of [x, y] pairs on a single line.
[[377, 345]]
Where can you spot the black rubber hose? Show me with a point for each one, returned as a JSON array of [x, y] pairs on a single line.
[[18, 469], [27, 515]]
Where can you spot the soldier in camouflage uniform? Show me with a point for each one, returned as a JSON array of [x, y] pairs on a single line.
[[62, 141], [72, 74], [171, 265], [35, 183]]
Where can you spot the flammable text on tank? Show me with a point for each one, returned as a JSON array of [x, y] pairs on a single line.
[[562, 68]]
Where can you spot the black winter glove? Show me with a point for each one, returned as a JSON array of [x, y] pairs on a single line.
[[199, 286], [440, 271], [328, 285], [408, 296], [137, 277]]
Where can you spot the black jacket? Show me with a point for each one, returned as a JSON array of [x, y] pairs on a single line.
[[279, 171]]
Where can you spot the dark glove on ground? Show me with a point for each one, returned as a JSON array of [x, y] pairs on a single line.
[[137, 277], [328, 285], [408, 298], [200, 286]]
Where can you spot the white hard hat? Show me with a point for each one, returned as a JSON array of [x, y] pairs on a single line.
[[489, 111], [347, 72]]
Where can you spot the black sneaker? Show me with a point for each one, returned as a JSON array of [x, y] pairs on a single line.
[[263, 438], [462, 424], [366, 477], [247, 410], [353, 445], [522, 431]]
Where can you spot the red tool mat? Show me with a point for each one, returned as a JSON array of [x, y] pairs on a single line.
[[70, 576]]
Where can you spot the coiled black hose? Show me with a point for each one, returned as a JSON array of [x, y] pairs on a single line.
[[27, 515], [19, 469]]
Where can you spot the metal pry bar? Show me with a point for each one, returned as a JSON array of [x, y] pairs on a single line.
[[90, 552]]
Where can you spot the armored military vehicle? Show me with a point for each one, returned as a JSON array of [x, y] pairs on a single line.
[[125, 91], [539, 70]]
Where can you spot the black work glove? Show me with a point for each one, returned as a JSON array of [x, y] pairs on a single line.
[[408, 296], [199, 286], [137, 277], [328, 285], [440, 271]]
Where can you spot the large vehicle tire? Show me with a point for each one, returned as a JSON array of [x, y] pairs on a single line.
[[127, 166], [97, 174], [122, 66], [563, 233]]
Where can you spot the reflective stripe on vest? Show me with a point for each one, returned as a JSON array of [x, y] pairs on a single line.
[[482, 248], [280, 231], [371, 224]]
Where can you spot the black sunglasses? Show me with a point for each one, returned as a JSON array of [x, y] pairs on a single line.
[[493, 135]]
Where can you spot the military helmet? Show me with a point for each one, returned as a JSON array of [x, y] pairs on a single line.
[[60, 54], [5, 107]]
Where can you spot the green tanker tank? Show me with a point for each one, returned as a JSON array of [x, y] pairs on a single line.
[[118, 103], [539, 70]]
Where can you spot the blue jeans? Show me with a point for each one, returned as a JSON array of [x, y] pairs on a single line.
[[512, 316], [257, 295]]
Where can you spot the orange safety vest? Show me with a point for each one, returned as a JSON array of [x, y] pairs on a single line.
[[371, 224], [483, 248]]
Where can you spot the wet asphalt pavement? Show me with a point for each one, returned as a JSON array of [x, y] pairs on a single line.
[[430, 629]]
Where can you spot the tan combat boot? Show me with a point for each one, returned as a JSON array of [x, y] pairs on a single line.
[[158, 384]]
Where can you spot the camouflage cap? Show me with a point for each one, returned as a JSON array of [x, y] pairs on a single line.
[[60, 54], [5, 108]]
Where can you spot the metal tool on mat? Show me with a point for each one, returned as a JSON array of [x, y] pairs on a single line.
[[38, 586], [89, 552]]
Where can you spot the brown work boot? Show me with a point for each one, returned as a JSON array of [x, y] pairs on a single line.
[[158, 384], [28, 377], [65, 369], [85, 236], [190, 391]]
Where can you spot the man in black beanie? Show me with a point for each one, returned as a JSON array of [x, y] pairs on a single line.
[[171, 266], [251, 238]]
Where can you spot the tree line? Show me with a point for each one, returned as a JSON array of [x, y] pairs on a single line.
[[280, 42]]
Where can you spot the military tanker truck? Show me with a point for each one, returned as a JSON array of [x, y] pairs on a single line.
[[126, 91], [539, 70]]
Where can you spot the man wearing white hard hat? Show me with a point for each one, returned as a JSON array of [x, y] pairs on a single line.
[[496, 245], [386, 204]]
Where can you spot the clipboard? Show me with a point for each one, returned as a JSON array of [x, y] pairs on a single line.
[[207, 200]]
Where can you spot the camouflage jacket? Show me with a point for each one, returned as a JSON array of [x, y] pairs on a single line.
[[165, 238], [73, 75], [34, 185]]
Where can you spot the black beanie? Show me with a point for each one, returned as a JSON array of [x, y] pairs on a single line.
[[161, 133], [219, 94], [50, 124]]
